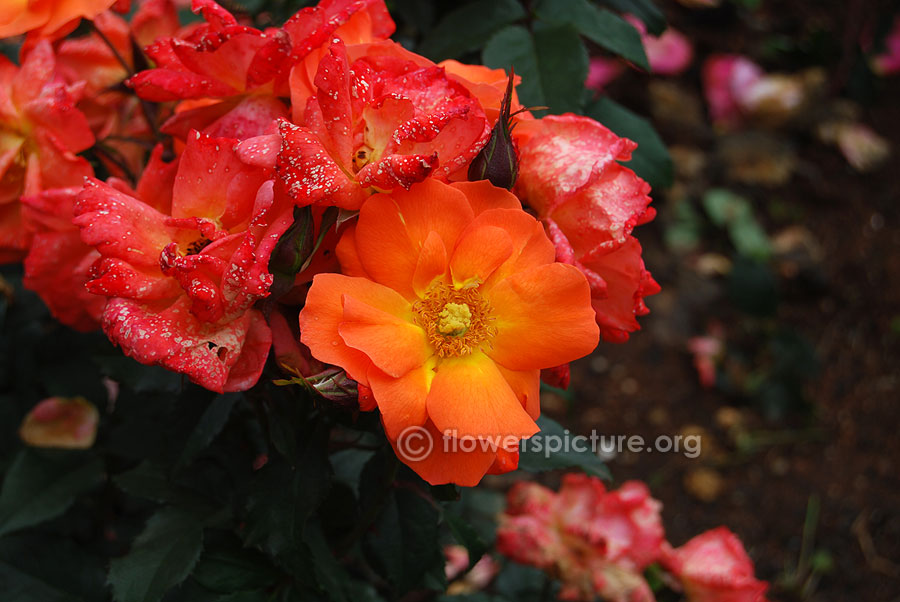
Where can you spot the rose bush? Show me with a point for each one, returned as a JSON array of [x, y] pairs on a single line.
[[305, 282]]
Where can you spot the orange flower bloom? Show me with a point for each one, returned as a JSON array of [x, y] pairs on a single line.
[[21, 16], [449, 306]]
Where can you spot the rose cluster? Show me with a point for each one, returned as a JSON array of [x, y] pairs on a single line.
[[599, 543], [208, 193]]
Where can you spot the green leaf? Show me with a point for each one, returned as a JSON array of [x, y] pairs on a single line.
[[404, 541], [645, 10], [752, 287], [684, 229], [724, 207], [555, 447], [466, 535], [598, 25], [553, 64], [211, 424], [151, 482], [146, 480], [466, 28], [480, 507], [44, 566], [330, 575], [41, 486], [138, 377], [160, 558], [361, 592], [18, 586], [522, 583], [734, 212], [257, 596], [651, 159], [348, 464], [226, 566], [283, 497]]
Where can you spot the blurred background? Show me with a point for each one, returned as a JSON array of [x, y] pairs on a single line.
[[777, 331]]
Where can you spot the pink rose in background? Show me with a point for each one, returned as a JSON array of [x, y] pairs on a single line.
[[597, 542], [670, 53], [737, 89], [888, 62], [464, 580], [601, 72], [714, 567]]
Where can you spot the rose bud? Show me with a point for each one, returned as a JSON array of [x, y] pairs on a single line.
[[498, 161]]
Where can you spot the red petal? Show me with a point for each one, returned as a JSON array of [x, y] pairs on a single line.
[[397, 171], [308, 173], [173, 338]]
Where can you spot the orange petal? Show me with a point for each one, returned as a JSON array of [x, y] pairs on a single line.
[[323, 313], [348, 255], [439, 460], [401, 400], [432, 263], [506, 461], [483, 195], [393, 228], [384, 249], [470, 398], [434, 206], [543, 318], [526, 384], [478, 253], [530, 246], [393, 344]]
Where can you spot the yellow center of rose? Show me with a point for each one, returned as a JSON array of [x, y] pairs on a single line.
[[362, 156], [456, 321]]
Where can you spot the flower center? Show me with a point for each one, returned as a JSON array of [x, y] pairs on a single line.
[[198, 245], [456, 321], [361, 157]]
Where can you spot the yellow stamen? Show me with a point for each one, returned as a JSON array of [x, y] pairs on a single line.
[[456, 321]]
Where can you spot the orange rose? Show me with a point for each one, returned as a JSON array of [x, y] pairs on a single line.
[[449, 305], [45, 16]]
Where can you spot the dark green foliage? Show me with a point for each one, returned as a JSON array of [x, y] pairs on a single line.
[[466, 28], [555, 447], [601, 26], [41, 486], [552, 61]]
